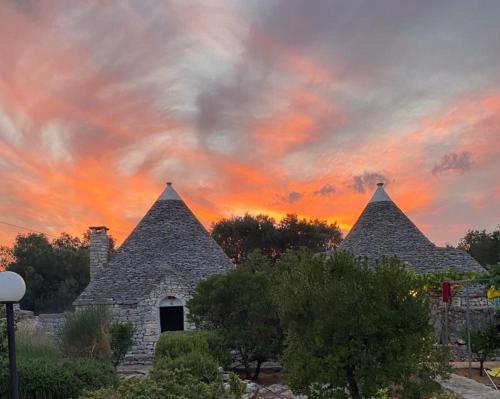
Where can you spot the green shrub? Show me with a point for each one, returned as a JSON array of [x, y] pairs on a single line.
[[121, 340], [44, 377], [200, 365], [179, 343], [184, 367], [170, 384], [85, 334]]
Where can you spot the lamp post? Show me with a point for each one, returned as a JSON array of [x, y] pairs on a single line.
[[12, 289]]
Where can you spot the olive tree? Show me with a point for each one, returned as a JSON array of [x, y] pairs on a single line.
[[238, 306], [352, 330]]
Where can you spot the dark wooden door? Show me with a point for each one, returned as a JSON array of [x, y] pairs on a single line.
[[172, 318]]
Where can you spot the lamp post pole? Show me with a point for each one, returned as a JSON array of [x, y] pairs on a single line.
[[13, 381], [12, 290]]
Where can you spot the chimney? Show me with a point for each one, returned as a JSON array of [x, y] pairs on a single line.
[[99, 249]]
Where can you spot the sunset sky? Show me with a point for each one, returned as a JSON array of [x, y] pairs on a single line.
[[257, 106]]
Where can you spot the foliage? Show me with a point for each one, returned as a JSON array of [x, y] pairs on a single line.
[[482, 246], [349, 327], [199, 364], [238, 306], [240, 236], [434, 280], [183, 368], [55, 272], [484, 342], [3, 337], [85, 334], [170, 384], [186, 350], [494, 276], [6, 257], [175, 344], [120, 340], [57, 378], [45, 373]]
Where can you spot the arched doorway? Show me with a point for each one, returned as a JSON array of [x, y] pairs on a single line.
[[171, 314]]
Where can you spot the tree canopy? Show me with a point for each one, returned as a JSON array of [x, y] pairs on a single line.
[[55, 272], [240, 235], [349, 327], [482, 246], [238, 306]]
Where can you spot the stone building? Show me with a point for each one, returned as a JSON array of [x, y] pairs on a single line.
[[154, 272], [384, 230]]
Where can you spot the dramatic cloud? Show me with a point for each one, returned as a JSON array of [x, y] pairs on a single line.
[[294, 196], [327, 189], [248, 106], [367, 181], [459, 162]]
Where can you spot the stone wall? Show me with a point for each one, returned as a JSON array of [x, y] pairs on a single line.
[[145, 315], [51, 324], [481, 313]]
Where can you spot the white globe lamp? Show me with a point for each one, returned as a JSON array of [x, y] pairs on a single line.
[[12, 287]]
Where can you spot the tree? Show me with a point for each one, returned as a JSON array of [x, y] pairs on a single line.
[[349, 327], [241, 235], [55, 273], [6, 257], [238, 306], [482, 246], [484, 343]]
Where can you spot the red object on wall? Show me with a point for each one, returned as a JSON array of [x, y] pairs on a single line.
[[446, 289]]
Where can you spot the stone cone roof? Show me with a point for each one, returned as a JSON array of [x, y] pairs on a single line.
[[384, 230], [168, 242]]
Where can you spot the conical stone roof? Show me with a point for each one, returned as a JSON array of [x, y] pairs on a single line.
[[384, 230], [168, 242]]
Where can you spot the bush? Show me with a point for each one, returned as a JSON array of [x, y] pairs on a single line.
[[170, 384], [121, 340], [179, 343], [200, 365], [46, 377], [183, 368], [186, 350], [85, 334]]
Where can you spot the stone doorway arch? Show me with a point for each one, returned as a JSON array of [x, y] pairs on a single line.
[[171, 314]]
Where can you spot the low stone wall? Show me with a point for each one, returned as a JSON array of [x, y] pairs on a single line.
[[51, 324], [481, 313]]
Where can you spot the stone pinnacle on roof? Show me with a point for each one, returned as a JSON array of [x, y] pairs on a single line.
[[169, 194], [380, 194]]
